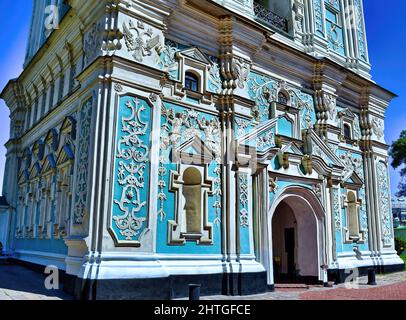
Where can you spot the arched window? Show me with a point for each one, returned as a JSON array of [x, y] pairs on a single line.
[[353, 217], [191, 81], [282, 98], [192, 191], [347, 131]]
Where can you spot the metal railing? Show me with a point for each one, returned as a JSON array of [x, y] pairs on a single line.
[[270, 18]]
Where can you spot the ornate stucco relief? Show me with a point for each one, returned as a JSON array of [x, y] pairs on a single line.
[[92, 43], [264, 90], [243, 193], [362, 50], [82, 171], [179, 127], [139, 39], [378, 127], [130, 210], [318, 17], [384, 203], [336, 208]]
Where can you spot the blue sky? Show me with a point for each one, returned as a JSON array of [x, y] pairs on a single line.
[[386, 40]]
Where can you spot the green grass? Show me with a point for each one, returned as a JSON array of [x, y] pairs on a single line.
[[403, 257]]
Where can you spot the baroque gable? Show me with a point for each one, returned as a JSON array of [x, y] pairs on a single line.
[[194, 150], [197, 55]]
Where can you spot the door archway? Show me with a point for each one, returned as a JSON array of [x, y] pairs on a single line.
[[296, 237]]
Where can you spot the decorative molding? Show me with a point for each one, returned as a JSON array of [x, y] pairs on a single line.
[[264, 90], [378, 127], [318, 17], [177, 231], [168, 61], [92, 43], [179, 128], [118, 87], [362, 48], [139, 39], [384, 203], [242, 69], [214, 81], [130, 197], [82, 164], [243, 198], [335, 192]]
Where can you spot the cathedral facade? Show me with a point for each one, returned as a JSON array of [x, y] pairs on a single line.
[[231, 143]]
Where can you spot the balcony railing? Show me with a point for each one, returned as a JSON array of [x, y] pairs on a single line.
[[270, 17]]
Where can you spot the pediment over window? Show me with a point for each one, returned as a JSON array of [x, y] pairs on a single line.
[[69, 127], [65, 154], [49, 163], [352, 179], [196, 54], [52, 140], [35, 170], [193, 150], [347, 113], [38, 149], [349, 125]]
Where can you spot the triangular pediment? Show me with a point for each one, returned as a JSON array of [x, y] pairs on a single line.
[[353, 179], [35, 170], [51, 139], [38, 149], [347, 113], [49, 163], [194, 149], [262, 137], [66, 154], [322, 150], [69, 127], [291, 148], [196, 54]]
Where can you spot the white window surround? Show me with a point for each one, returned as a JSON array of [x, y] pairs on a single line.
[[178, 232]]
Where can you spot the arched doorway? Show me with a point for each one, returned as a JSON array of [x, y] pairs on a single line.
[[296, 238]]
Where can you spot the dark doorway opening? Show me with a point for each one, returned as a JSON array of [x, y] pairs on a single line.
[[294, 245]]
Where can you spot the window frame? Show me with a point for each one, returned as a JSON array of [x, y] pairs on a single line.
[[350, 131], [192, 78]]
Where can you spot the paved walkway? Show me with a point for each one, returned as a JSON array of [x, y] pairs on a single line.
[[19, 283], [389, 287]]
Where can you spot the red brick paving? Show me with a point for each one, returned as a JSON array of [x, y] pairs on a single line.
[[388, 292]]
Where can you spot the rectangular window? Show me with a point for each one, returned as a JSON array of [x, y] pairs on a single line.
[[332, 16], [334, 30]]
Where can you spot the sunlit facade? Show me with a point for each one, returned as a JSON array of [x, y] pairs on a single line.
[[232, 143]]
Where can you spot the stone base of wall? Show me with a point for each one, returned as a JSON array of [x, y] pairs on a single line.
[[172, 287], [339, 275]]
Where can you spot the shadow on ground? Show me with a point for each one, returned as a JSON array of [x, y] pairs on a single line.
[[18, 282]]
